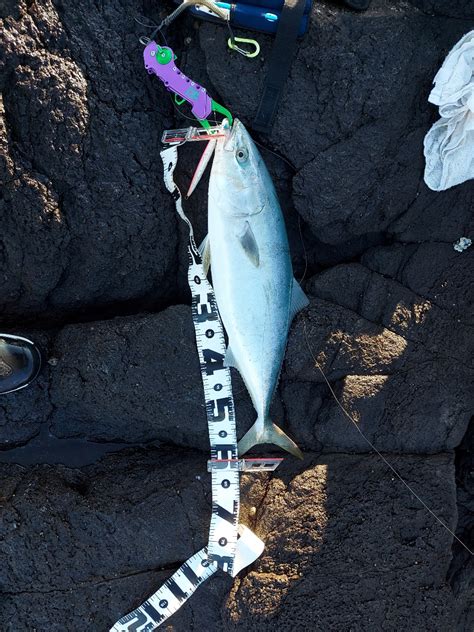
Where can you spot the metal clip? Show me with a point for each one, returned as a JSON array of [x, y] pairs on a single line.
[[244, 465], [231, 42], [260, 465], [216, 10], [190, 134]]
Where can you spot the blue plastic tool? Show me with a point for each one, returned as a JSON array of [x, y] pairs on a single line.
[[273, 5], [257, 15]]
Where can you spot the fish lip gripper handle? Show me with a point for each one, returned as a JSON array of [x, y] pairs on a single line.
[[160, 61]]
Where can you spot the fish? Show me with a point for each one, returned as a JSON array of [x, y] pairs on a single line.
[[257, 295]]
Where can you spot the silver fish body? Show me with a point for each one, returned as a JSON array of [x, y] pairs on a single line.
[[252, 275]]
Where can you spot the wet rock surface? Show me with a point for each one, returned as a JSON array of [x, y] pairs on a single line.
[[92, 267]]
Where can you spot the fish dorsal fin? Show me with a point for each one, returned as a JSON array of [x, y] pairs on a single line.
[[205, 252], [249, 244], [299, 300]]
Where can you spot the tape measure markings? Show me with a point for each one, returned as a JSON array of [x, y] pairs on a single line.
[[220, 412], [216, 378], [170, 597], [225, 534]]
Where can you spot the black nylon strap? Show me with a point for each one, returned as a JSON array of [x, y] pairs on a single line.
[[279, 64]]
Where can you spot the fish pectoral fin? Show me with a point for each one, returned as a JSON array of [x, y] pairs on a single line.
[[205, 252], [299, 300], [249, 244]]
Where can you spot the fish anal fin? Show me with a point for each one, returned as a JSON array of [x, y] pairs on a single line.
[[249, 244], [229, 359], [299, 300], [205, 252]]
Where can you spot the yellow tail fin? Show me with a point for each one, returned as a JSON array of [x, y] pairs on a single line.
[[271, 434]]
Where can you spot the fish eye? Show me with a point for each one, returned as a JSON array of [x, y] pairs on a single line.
[[241, 154]]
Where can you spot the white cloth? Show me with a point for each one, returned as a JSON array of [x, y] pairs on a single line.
[[449, 145]]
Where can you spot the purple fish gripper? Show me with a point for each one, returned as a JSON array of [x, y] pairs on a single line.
[[160, 61]]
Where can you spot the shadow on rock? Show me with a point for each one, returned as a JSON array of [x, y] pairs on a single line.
[[348, 549]]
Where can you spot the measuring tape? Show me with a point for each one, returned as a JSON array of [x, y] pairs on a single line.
[[231, 546], [218, 396], [170, 597]]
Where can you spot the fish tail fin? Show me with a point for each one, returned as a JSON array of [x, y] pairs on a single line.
[[271, 433]]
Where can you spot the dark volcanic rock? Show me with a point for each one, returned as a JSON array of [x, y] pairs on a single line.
[[354, 113], [412, 386], [461, 571], [133, 379], [452, 8], [85, 217], [81, 548], [347, 549], [437, 273], [22, 414], [89, 233], [444, 217], [74, 542]]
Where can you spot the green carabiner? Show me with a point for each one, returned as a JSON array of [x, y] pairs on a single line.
[[231, 42]]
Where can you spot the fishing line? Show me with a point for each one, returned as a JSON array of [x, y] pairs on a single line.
[[180, 112], [379, 454], [153, 25], [275, 154], [231, 32]]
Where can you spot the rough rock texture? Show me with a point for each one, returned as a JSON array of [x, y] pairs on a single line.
[[309, 513], [83, 179], [145, 517], [149, 368], [69, 537], [93, 267], [455, 8], [414, 376], [358, 164], [462, 566]]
